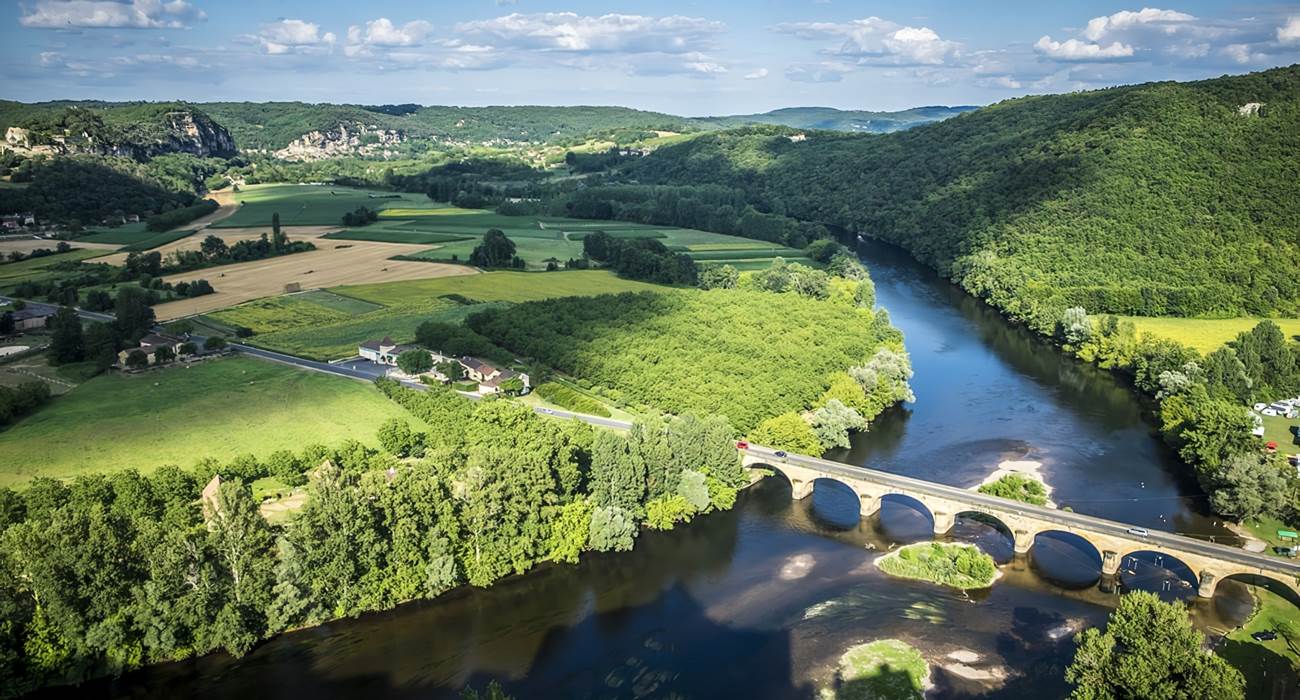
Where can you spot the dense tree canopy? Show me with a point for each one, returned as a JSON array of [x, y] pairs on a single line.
[[1152, 199]]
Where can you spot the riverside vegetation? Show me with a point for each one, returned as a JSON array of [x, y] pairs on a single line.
[[107, 573], [958, 565]]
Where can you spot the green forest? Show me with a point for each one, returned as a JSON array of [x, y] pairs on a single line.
[[1155, 199], [109, 572], [707, 352]]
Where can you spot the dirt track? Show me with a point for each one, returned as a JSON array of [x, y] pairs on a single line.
[[334, 263]]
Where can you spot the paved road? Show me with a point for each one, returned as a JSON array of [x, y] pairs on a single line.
[[1061, 517], [51, 308]]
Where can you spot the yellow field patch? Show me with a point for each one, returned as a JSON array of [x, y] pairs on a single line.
[[1206, 334], [332, 263]]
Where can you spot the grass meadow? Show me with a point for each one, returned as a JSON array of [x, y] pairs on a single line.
[[126, 234], [179, 415]]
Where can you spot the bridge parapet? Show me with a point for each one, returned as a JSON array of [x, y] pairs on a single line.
[[1023, 523]]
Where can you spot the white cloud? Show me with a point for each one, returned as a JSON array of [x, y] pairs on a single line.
[[1100, 28], [878, 41], [1290, 31], [287, 36], [1075, 50], [757, 74], [382, 32], [130, 14], [825, 72], [612, 33]]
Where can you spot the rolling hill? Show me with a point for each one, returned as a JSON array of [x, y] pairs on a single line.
[[1156, 199], [859, 121]]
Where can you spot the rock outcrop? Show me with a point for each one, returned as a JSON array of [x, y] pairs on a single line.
[[175, 131], [343, 140]]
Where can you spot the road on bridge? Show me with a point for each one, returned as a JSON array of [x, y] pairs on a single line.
[[1064, 518]]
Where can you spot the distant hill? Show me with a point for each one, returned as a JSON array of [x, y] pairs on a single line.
[[137, 130], [1156, 199], [841, 120]]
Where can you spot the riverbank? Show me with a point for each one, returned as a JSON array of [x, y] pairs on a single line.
[[952, 564]]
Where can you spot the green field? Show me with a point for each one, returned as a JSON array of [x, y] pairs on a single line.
[[157, 239], [310, 205], [218, 409], [33, 269], [396, 233], [1272, 668], [1206, 334], [498, 286], [126, 234], [328, 325]]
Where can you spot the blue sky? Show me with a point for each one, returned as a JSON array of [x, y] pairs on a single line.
[[693, 58]]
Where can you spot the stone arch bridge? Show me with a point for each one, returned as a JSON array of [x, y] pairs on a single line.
[[1211, 562]]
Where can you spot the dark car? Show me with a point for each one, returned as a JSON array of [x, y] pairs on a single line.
[[1264, 636], [779, 453]]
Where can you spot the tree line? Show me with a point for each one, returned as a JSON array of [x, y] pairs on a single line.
[[110, 572]]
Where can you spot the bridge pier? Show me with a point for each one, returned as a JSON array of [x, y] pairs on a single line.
[[1024, 541], [868, 505], [1207, 584], [943, 522], [1109, 563], [800, 490]]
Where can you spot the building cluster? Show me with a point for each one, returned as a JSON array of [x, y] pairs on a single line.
[[489, 378]]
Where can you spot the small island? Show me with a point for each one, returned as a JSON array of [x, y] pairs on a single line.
[[1016, 487], [950, 564], [887, 669]]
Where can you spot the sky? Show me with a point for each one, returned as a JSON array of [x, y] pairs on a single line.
[[678, 56]]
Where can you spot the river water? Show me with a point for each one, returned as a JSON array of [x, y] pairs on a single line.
[[759, 602]]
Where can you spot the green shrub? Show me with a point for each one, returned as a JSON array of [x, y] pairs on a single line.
[[575, 401]]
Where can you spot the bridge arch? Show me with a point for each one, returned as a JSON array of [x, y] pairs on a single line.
[[836, 503], [1274, 584], [1002, 547], [904, 518], [1163, 574], [1065, 558]]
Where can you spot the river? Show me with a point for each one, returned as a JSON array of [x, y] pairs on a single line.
[[759, 602]]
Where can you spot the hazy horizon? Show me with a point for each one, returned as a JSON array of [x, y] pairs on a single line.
[[676, 56]]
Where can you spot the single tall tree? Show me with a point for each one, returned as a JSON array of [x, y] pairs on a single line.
[[1150, 651], [66, 341]]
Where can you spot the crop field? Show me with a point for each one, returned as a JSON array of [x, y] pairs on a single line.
[[339, 339], [331, 264], [280, 313], [310, 205], [158, 239], [397, 233], [15, 273], [499, 286], [1206, 334], [126, 234], [230, 236], [27, 245], [218, 409]]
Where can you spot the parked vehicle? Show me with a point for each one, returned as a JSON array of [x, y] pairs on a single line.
[[1264, 635]]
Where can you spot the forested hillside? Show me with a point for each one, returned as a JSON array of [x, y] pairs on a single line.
[[1155, 199]]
